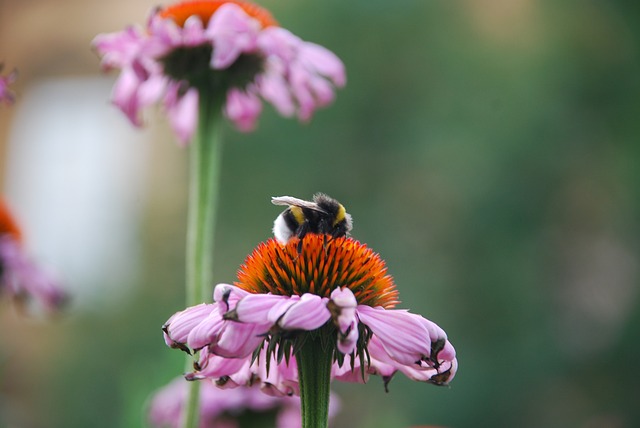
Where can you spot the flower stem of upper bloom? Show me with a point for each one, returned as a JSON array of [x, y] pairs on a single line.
[[315, 360], [205, 156], [204, 167]]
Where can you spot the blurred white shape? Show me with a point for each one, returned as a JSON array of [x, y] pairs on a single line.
[[75, 181]]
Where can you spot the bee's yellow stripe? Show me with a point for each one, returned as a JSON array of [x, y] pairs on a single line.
[[297, 214], [340, 215]]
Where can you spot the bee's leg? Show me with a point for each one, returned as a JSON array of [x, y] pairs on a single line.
[[332, 236], [302, 232]]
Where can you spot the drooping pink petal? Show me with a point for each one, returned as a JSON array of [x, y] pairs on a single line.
[[280, 43], [346, 302], [232, 32], [213, 366], [238, 340], [206, 331], [382, 363], [193, 33], [321, 89], [179, 326], [243, 109], [227, 296], [151, 90], [274, 88], [299, 80], [119, 50], [345, 373], [255, 308], [280, 379], [448, 353], [322, 61], [125, 95], [308, 314], [163, 36], [21, 278], [402, 334], [344, 305], [183, 113], [6, 94], [227, 373]]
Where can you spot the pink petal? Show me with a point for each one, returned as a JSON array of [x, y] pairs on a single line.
[[206, 331], [448, 353], [151, 90], [281, 379], [118, 50], [214, 366], [178, 327], [402, 334], [238, 340], [274, 88], [228, 296], [279, 42], [345, 374], [125, 95], [383, 365], [281, 307], [299, 78], [243, 109], [165, 34], [322, 61], [308, 314], [183, 114], [193, 33], [232, 32], [255, 308], [322, 91], [344, 303], [437, 334], [22, 278]]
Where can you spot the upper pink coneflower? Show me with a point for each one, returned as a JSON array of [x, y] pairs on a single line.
[[229, 53], [204, 9]]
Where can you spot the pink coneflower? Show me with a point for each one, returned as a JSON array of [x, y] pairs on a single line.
[[20, 278], [226, 408], [6, 95], [233, 53], [331, 304]]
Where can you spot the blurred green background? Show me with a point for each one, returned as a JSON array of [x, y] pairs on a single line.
[[488, 150]]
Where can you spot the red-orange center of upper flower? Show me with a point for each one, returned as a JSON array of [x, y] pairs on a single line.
[[8, 225], [206, 8], [323, 265]]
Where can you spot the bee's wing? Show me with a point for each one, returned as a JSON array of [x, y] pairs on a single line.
[[291, 201]]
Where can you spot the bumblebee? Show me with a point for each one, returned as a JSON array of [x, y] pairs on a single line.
[[323, 216]]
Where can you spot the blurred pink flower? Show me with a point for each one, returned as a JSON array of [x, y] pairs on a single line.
[[6, 95], [341, 287], [232, 51], [220, 408], [19, 276]]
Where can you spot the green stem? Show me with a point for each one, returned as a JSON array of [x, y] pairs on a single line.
[[314, 373], [205, 155]]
